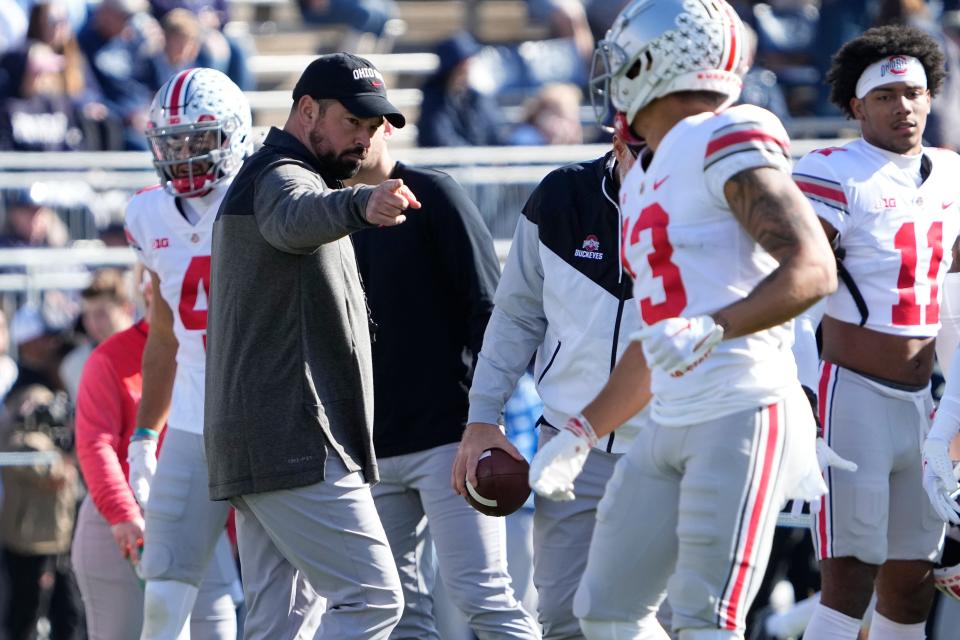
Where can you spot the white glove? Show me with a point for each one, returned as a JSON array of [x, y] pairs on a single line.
[[826, 458], [939, 479], [142, 458], [678, 345], [559, 462], [947, 581]]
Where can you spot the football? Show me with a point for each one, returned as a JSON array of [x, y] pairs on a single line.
[[502, 483]]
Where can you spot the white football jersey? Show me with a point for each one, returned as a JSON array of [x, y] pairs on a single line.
[[690, 256], [896, 236], [179, 253]]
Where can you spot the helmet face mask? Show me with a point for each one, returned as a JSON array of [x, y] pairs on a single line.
[[659, 47], [199, 131]]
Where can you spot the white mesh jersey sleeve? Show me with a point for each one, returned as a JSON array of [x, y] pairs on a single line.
[[744, 137], [816, 177], [135, 220]]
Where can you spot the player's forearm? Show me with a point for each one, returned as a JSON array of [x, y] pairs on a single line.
[[159, 371], [770, 207], [797, 284], [626, 393]]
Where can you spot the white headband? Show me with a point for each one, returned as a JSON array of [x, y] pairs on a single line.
[[890, 70]]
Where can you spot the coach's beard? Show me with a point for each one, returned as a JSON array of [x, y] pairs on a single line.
[[342, 165]]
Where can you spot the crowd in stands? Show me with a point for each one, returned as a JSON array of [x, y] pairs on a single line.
[[86, 84], [79, 76]]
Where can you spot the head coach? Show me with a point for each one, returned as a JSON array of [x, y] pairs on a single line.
[[288, 423]]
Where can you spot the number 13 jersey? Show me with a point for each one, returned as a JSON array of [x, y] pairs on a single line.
[[179, 253], [896, 236], [690, 256]]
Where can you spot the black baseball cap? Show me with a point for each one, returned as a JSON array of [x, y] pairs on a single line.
[[351, 80]]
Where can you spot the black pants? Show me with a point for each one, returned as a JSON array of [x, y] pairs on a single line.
[[30, 596]]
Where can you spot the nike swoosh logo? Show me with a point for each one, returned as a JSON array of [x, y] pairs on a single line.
[[657, 183], [947, 205]]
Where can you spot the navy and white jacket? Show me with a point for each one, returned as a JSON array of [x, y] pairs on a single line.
[[564, 296]]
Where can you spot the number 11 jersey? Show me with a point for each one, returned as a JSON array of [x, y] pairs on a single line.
[[690, 256], [895, 236], [179, 253]]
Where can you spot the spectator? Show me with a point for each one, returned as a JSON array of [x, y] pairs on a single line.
[[181, 47], [106, 309], [215, 49], [220, 8], [454, 114], [760, 84], [223, 52], [840, 21], [35, 112], [110, 524], [39, 349], [565, 19], [113, 235], [50, 24], [29, 222], [551, 117], [118, 39], [36, 523], [367, 20]]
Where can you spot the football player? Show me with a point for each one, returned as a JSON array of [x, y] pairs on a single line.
[[199, 133], [889, 205], [725, 251]]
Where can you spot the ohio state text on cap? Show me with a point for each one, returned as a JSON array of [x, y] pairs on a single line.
[[351, 80]]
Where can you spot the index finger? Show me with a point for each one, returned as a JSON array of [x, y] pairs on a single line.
[[456, 473], [405, 192], [465, 469]]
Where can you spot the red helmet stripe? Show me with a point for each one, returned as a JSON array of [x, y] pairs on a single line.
[[177, 88], [733, 45]]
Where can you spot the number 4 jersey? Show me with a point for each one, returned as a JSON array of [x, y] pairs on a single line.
[[896, 236], [690, 256], [179, 253]]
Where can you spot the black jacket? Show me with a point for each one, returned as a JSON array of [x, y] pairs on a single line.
[[430, 285]]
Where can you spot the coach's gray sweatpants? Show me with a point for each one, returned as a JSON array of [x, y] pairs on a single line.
[[113, 595], [561, 542], [329, 532], [416, 503]]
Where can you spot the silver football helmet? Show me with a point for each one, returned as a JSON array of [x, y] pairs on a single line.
[[658, 47], [199, 131]]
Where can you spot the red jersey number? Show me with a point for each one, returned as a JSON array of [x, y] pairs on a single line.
[[197, 275], [907, 312], [656, 219]]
